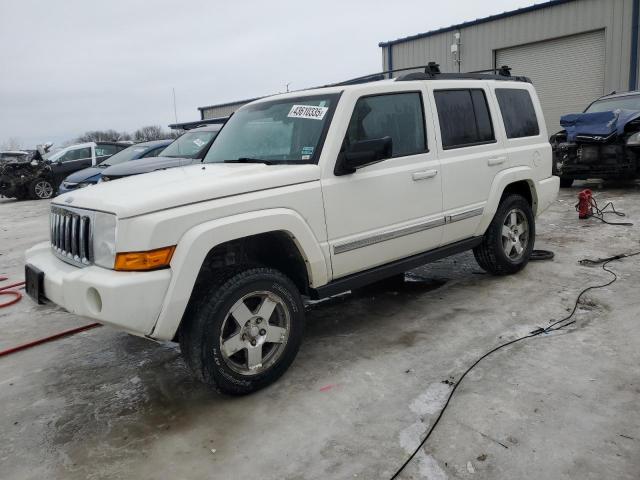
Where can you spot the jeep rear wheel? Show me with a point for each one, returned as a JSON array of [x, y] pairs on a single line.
[[508, 242], [245, 331]]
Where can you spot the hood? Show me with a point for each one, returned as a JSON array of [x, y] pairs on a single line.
[[83, 175], [146, 165], [164, 189], [597, 126]]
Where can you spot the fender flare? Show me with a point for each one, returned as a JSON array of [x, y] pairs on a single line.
[[500, 183], [197, 242]]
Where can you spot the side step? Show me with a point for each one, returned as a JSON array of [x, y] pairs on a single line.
[[376, 274]]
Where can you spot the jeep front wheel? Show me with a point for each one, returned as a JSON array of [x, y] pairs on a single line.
[[245, 331], [508, 242]]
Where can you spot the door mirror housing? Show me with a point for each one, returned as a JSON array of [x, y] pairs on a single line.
[[363, 153]]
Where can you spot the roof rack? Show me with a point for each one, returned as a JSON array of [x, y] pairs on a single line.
[[432, 72]]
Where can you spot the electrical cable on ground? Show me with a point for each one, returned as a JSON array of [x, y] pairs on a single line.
[[558, 325], [5, 290]]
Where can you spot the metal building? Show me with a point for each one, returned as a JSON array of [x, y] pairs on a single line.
[[573, 50], [223, 109]]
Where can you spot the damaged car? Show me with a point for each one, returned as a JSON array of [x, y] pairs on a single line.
[[602, 142], [40, 177]]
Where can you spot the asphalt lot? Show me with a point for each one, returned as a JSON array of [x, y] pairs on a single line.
[[367, 383]]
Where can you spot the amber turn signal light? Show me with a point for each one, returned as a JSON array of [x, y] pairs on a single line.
[[142, 261]]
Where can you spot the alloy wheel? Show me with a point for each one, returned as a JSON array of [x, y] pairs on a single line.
[[255, 332], [515, 234]]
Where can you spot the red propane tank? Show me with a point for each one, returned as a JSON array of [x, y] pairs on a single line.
[[585, 204]]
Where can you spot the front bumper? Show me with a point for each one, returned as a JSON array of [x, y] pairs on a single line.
[[129, 301], [593, 160]]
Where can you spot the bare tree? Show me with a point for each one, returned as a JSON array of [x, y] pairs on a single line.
[[151, 132], [103, 136]]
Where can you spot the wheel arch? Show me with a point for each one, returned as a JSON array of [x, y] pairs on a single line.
[[252, 237], [512, 181]]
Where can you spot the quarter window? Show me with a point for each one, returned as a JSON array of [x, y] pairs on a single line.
[[464, 118], [398, 115], [106, 150], [518, 113]]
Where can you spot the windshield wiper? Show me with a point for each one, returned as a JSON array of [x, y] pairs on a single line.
[[250, 160]]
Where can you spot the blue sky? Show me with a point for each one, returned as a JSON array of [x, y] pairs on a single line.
[[76, 65]]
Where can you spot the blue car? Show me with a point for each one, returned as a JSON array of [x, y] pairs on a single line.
[[91, 175]]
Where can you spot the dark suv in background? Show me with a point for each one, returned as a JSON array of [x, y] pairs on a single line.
[[92, 175], [41, 177]]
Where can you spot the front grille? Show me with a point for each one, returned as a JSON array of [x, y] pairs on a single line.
[[71, 233]]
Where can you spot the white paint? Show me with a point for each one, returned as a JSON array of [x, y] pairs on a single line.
[[432, 400], [428, 467]]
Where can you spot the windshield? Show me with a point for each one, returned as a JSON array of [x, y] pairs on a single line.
[[629, 102], [280, 131], [129, 153], [189, 145]]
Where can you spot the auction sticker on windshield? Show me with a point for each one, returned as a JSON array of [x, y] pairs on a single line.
[[307, 111]]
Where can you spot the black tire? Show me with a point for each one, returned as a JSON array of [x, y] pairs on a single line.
[[490, 254], [210, 313], [566, 182], [41, 189]]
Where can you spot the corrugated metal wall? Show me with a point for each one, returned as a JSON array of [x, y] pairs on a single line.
[[220, 111], [480, 41], [576, 61]]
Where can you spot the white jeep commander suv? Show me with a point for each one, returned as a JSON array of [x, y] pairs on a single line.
[[305, 194]]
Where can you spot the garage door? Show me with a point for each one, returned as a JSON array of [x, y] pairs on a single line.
[[568, 72]]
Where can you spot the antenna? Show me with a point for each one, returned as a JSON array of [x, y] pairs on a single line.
[[287, 85], [175, 111]]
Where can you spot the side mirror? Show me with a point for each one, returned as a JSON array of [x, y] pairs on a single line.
[[363, 153], [58, 162]]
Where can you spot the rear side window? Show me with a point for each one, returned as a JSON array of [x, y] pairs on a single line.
[[397, 115], [517, 112], [106, 150], [464, 118]]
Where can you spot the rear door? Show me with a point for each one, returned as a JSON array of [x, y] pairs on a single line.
[[72, 161], [526, 141], [391, 209], [471, 153]]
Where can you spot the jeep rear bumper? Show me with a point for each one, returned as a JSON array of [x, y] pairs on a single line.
[[129, 301]]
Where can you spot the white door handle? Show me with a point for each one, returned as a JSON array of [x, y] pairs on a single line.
[[424, 175], [496, 161]]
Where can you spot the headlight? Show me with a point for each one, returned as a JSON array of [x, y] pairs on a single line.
[[104, 239], [83, 184], [70, 185], [634, 140]]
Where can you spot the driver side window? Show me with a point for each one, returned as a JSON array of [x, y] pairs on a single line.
[[396, 115]]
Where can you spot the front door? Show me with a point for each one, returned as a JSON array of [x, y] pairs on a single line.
[[392, 209]]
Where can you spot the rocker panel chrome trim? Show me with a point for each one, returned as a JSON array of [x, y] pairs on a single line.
[[388, 235]]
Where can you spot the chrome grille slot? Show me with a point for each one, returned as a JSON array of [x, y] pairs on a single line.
[[71, 235]]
